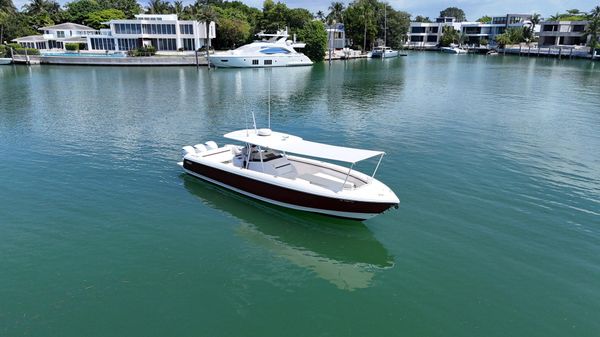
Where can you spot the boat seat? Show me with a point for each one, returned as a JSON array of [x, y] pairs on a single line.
[[326, 180]]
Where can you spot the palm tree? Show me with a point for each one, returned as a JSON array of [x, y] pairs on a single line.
[[336, 12], [320, 16], [595, 13], [592, 32], [535, 20], [3, 21], [205, 13], [157, 7], [178, 7], [41, 7]]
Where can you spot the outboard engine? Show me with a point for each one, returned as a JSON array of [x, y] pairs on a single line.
[[210, 145], [187, 150], [200, 148]]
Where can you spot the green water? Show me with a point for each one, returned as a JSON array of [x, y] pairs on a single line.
[[496, 161]]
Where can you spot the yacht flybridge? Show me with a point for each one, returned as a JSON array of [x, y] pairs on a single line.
[[270, 167], [272, 50]]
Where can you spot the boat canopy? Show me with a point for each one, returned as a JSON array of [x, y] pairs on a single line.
[[268, 139]]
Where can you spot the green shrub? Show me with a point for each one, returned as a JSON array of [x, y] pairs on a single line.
[[4, 51], [142, 51], [15, 46], [484, 42], [72, 46]]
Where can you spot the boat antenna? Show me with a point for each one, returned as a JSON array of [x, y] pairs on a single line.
[[254, 122], [270, 73], [246, 118]]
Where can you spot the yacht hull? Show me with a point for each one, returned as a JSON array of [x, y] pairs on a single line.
[[393, 53], [5, 60], [285, 196], [259, 61]]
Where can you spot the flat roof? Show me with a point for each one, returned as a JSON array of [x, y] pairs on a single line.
[[294, 144]]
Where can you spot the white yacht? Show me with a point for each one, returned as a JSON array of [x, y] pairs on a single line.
[[453, 50], [263, 168], [5, 60], [383, 52], [273, 50]]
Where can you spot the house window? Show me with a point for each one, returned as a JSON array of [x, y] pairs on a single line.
[[432, 38], [578, 28], [268, 62], [60, 33], [254, 62]]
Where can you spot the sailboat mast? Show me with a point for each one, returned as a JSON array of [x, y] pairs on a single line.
[[384, 24]]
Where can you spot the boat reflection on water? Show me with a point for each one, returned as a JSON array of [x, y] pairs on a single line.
[[342, 252]]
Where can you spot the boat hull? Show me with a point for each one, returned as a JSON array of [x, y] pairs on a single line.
[[393, 53], [286, 197], [235, 61], [5, 60]]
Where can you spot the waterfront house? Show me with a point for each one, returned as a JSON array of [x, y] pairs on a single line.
[[427, 35], [478, 31], [563, 33], [55, 37], [165, 32], [336, 35]]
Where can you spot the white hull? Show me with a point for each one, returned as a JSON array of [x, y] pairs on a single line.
[[258, 61], [449, 50], [5, 60], [387, 54]]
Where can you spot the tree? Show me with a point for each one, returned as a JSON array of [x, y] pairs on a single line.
[[96, 19], [297, 18], [336, 12], [449, 36], [7, 6], [43, 12], [320, 16], [129, 7], [3, 21], [315, 37], [398, 23], [424, 19], [485, 19], [206, 14], [592, 31], [274, 16], [455, 12], [178, 7], [158, 7], [234, 28], [535, 20], [78, 11]]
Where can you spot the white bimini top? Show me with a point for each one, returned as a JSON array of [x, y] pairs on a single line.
[[268, 139]]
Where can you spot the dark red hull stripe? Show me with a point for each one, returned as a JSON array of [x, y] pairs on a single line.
[[285, 195]]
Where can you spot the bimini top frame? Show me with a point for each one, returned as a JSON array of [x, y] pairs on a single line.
[[268, 139]]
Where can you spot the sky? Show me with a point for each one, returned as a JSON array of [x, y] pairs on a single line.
[[474, 9]]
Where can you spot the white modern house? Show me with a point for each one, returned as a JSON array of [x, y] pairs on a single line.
[[562, 33], [165, 32], [55, 37], [428, 35]]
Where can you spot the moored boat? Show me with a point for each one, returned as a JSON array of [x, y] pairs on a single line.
[[383, 52], [273, 50], [453, 50], [4, 60], [265, 169]]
